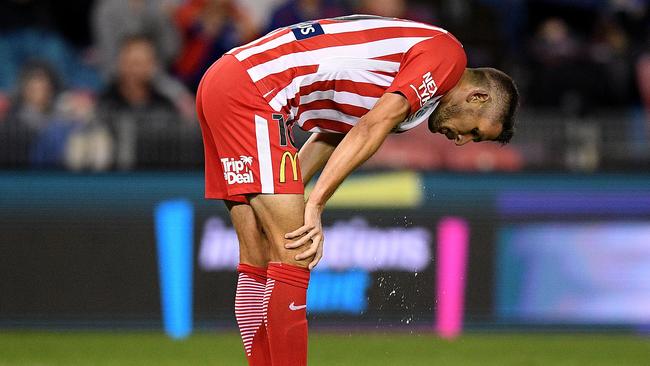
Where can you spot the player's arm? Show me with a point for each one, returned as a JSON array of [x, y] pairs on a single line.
[[430, 68], [359, 144], [315, 152]]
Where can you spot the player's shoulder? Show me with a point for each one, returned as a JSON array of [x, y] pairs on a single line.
[[443, 44]]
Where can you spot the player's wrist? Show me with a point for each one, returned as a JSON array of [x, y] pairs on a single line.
[[315, 205]]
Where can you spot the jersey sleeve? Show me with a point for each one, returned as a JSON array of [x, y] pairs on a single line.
[[430, 68]]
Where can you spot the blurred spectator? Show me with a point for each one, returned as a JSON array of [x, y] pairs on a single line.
[[33, 106], [643, 81], [633, 16], [558, 77], [35, 130], [4, 106], [554, 44], [396, 9], [27, 33], [134, 106], [89, 145], [259, 11], [296, 11], [114, 20], [609, 50], [30, 107], [210, 28]]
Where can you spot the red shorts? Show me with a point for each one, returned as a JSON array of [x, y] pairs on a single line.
[[248, 146]]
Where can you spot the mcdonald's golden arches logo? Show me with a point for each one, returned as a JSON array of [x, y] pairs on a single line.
[[293, 159]]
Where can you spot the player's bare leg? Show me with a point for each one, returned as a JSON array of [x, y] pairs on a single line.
[[253, 246], [285, 300], [251, 283]]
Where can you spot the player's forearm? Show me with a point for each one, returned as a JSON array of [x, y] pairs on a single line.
[[359, 144], [315, 153], [353, 151]]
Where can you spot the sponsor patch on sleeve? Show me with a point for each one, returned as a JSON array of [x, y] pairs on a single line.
[[307, 30]]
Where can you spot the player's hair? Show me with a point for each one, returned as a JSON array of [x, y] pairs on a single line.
[[506, 97]]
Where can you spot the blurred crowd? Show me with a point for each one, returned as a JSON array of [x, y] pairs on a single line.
[[109, 84]]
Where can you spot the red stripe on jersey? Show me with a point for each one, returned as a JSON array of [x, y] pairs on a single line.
[[348, 109], [282, 79], [340, 39], [396, 57], [327, 124], [363, 89], [386, 73], [278, 33]]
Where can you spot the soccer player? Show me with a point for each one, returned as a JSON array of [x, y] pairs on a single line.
[[350, 81]]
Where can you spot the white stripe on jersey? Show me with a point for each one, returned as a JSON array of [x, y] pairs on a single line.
[[283, 39], [340, 97], [354, 63], [361, 76], [256, 42], [330, 114], [264, 154], [364, 50], [334, 28]]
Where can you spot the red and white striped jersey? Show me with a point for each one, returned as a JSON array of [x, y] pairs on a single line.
[[326, 74]]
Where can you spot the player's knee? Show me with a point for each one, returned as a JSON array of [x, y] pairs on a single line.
[[289, 257], [304, 263]]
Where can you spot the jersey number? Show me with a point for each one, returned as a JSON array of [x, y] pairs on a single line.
[[285, 131]]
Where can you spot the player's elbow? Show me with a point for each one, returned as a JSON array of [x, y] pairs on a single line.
[[390, 110]]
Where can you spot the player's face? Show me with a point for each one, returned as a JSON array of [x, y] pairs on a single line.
[[463, 123]]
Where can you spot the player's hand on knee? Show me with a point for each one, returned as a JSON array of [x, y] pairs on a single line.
[[314, 252], [310, 234], [304, 233]]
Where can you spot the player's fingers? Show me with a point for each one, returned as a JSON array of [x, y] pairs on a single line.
[[317, 257], [299, 232], [303, 240], [298, 243], [309, 252]]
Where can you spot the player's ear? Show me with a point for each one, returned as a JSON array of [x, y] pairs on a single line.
[[478, 95]]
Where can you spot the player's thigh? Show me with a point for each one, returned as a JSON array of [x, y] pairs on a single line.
[[280, 214], [253, 244]]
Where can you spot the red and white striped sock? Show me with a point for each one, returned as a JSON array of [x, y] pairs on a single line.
[[249, 314], [285, 315]]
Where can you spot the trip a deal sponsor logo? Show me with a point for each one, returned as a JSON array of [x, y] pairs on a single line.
[[426, 90], [237, 171]]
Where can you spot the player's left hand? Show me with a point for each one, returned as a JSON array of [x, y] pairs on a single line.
[[310, 233]]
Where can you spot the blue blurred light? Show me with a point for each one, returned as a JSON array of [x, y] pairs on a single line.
[[344, 292], [174, 225]]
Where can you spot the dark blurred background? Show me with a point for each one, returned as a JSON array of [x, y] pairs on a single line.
[[108, 84]]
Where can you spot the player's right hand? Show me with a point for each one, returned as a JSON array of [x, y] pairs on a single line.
[[311, 233]]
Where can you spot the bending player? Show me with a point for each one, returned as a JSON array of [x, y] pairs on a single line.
[[351, 81]]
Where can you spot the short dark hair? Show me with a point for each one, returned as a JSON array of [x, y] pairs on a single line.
[[507, 97]]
